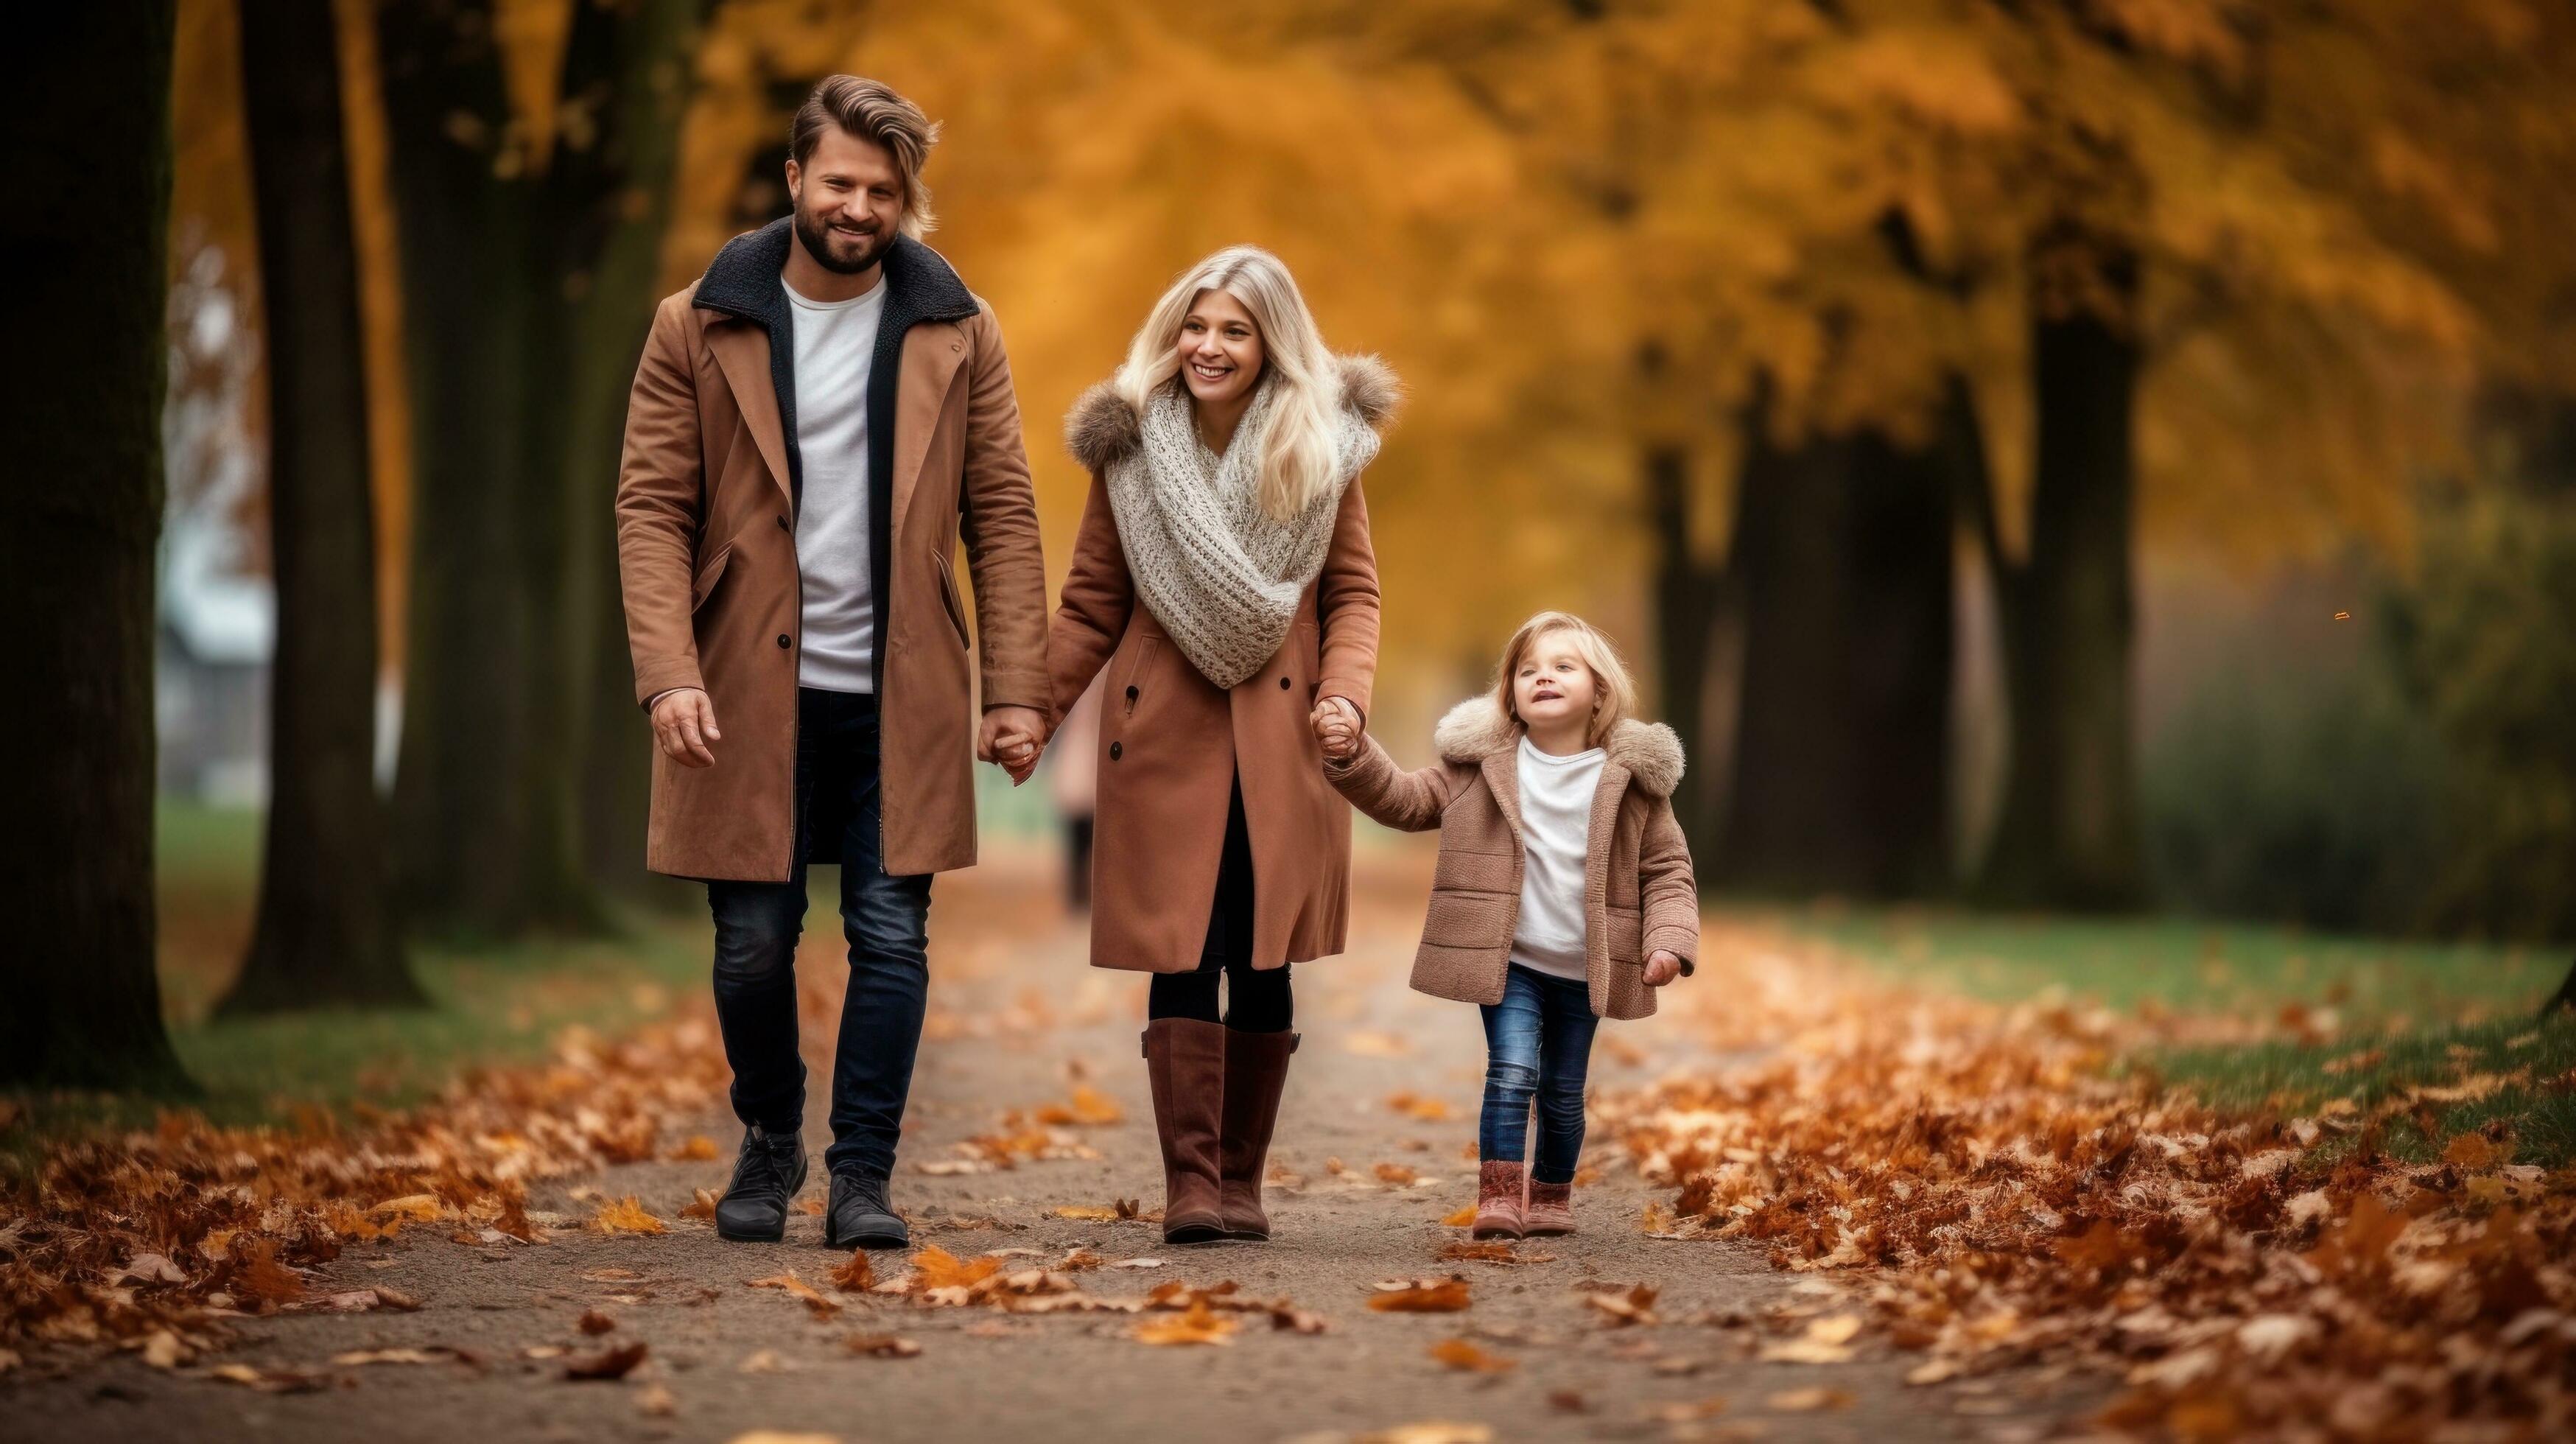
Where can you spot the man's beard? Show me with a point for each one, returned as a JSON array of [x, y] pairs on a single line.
[[817, 238]]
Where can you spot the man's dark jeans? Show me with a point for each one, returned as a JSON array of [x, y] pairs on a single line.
[[885, 919]]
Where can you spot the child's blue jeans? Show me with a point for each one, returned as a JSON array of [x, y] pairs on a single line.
[[1538, 1042]]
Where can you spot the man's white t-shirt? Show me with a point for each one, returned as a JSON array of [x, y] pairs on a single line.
[[835, 343], [1556, 820]]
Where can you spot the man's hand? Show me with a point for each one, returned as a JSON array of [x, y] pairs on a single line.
[[684, 722], [1011, 738], [1661, 968], [1337, 728]]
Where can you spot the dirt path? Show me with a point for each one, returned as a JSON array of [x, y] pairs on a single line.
[[1017, 1021]]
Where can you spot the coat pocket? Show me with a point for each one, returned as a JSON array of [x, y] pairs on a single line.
[[1469, 919], [948, 599], [710, 571], [1627, 933]]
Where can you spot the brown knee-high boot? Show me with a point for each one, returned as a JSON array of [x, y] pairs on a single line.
[[1256, 1068], [1185, 1062]]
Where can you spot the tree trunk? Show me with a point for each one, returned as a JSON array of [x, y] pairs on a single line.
[[502, 275], [1843, 550], [325, 934], [1689, 596], [610, 737], [2068, 834], [85, 224]]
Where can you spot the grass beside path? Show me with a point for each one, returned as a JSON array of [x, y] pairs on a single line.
[[493, 1005], [2194, 966], [2511, 1076], [2447, 1029]]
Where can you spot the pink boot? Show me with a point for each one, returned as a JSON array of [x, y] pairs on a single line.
[[1498, 1200], [1551, 1209]]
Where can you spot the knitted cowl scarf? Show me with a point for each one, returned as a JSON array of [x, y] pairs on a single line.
[[1222, 575]]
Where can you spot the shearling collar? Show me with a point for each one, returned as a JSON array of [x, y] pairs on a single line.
[[1102, 428], [743, 280], [1476, 729]]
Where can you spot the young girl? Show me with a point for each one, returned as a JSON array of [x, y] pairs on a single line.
[[1562, 896]]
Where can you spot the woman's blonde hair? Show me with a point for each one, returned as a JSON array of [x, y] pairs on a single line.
[[1298, 451], [1614, 691]]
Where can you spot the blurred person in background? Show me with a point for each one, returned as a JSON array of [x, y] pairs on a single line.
[[1223, 586], [1073, 782], [784, 575]]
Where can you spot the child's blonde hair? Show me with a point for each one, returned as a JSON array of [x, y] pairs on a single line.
[[1614, 691]]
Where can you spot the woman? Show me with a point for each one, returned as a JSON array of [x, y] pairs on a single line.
[[1223, 574]]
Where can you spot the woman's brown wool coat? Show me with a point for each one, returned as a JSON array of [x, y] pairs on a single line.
[[1172, 744], [1639, 896]]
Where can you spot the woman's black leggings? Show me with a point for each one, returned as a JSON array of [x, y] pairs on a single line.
[[1257, 999]]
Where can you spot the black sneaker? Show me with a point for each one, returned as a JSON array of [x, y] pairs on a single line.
[[860, 1217], [766, 1175]]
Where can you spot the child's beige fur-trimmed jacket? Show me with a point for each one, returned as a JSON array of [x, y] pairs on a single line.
[[1639, 896]]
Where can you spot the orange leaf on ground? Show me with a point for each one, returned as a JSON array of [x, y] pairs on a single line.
[[936, 1268], [1395, 1173], [1421, 1296], [1491, 1250], [597, 1321], [1636, 1306], [822, 1306], [1089, 1106], [1414, 1105], [1462, 1355], [881, 1346], [624, 1216], [258, 1274], [1200, 1325], [703, 1208], [855, 1275], [1463, 1218]]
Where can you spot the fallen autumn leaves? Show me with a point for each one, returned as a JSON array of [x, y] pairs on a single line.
[[167, 1233], [2007, 1198]]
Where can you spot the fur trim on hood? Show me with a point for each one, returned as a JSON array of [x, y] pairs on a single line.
[[1102, 428], [1476, 729]]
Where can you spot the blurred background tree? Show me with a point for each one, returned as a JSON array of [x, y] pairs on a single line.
[[86, 228]]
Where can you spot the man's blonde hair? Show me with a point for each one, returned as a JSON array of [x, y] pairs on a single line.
[[872, 111], [1614, 690]]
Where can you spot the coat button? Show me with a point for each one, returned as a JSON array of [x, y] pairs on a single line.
[[1115, 749], [1283, 684], [782, 641]]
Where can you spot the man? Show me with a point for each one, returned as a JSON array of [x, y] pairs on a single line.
[[815, 426]]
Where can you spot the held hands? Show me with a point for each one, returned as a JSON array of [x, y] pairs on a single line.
[[1337, 728], [684, 722], [1011, 738], [1661, 968]]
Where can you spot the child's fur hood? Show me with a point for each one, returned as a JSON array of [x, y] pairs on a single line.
[[1103, 429], [1477, 728]]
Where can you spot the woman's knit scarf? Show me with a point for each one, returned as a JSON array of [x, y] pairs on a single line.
[[1221, 575]]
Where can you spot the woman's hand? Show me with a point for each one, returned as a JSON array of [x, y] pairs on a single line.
[[1337, 728], [1661, 968], [1011, 738]]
